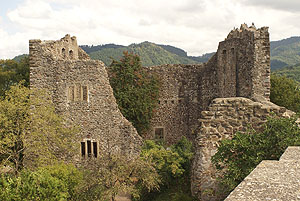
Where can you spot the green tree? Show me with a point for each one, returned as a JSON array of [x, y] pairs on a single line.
[[12, 72], [171, 162], [236, 158], [112, 174], [173, 165], [58, 182], [285, 92], [136, 92], [30, 129]]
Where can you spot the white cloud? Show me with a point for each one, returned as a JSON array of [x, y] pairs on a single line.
[[193, 25]]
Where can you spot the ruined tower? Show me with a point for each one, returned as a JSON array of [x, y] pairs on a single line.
[[80, 91]]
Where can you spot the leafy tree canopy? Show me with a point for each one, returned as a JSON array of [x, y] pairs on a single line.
[[12, 72], [285, 92], [30, 129], [136, 92], [49, 183]]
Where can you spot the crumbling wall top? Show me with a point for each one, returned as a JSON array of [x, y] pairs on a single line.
[[244, 30], [66, 48]]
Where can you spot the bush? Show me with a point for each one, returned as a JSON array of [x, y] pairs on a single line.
[[57, 182], [285, 92], [173, 166], [236, 158]]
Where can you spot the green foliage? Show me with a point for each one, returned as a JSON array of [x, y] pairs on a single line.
[[292, 72], [50, 183], [285, 92], [173, 165], [12, 72], [136, 92], [30, 129], [109, 175], [236, 158], [170, 162]]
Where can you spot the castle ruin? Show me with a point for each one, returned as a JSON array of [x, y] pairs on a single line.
[[205, 102]]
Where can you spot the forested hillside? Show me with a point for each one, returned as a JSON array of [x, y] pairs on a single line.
[[151, 54], [285, 52]]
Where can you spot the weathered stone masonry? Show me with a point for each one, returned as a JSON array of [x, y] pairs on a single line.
[[81, 92]]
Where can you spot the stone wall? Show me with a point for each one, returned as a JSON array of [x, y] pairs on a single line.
[[224, 117], [179, 103], [81, 92]]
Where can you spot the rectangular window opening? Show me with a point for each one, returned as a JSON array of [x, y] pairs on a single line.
[[84, 93], [89, 148], [159, 133], [83, 149], [71, 93], [77, 92], [95, 149]]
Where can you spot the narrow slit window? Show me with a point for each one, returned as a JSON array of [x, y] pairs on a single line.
[[77, 92], [84, 93], [83, 149], [89, 148], [95, 149], [71, 93]]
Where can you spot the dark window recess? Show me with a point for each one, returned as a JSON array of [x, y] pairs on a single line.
[[71, 54], [159, 133], [224, 52], [84, 93], [89, 148], [172, 101], [95, 148], [83, 149], [232, 50]]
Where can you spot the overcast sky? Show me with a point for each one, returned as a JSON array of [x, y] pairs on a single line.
[[193, 25]]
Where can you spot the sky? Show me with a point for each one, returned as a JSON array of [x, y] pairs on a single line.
[[196, 26]]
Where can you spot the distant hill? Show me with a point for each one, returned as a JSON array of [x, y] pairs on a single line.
[[19, 57], [285, 52], [151, 54], [292, 72]]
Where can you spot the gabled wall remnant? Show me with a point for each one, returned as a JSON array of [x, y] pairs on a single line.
[[81, 92]]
